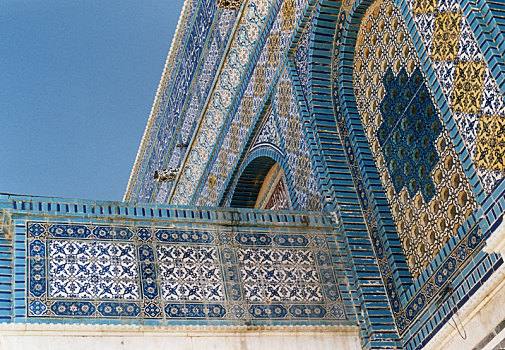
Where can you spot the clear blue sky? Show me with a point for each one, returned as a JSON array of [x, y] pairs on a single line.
[[78, 79]]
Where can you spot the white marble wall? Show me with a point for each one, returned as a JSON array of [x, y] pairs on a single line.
[[85, 337]]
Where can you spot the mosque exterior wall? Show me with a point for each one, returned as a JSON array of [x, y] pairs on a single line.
[[384, 114], [333, 173]]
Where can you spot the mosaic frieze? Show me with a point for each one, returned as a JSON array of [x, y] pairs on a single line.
[[466, 83], [166, 273], [427, 190], [284, 109]]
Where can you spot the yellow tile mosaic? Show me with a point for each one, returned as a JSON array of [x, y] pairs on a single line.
[[246, 120], [288, 15], [491, 143], [422, 7], [446, 36], [284, 98], [294, 128], [259, 80], [234, 137], [468, 85], [273, 49]]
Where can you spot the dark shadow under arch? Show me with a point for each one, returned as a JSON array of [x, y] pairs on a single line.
[[250, 182]]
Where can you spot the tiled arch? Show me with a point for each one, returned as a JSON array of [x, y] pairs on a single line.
[[259, 161], [336, 182], [413, 299]]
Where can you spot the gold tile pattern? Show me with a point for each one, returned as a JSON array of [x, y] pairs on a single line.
[[260, 80], [294, 128], [234, 137], [273, 49], [468, 84], [422, 7], [491, 143], [288, 15], [466, 81], [446, 36], [284, 99], [247, 114]]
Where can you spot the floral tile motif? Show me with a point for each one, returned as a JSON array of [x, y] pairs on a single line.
[[422, 7], [468, 49], [446, 36], [467, 125], [100, 270], [426, 27], [468, 85], [491, 143], [273, 45], [251, 108], [489, 178], [77, 270], [448, 5], [466, 82], [492, 99], [190, 273], [445, 74], [288, 15]]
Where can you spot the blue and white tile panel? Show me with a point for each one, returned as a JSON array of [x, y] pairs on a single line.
[[101, 272]]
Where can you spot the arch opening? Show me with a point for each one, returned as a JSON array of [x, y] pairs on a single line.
[[262, 185]]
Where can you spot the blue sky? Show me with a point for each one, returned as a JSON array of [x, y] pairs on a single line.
[[78, 79]]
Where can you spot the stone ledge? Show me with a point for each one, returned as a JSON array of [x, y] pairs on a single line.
[[137, 330]]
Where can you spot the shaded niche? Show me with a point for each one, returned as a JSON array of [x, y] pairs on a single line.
[[250, 182]]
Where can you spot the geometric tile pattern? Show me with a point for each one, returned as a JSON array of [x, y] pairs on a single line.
[[467, 95], [77, 270], [408, 136], [491, 142], [466, 82], [446, 36], [427, 190], [422, 7]]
